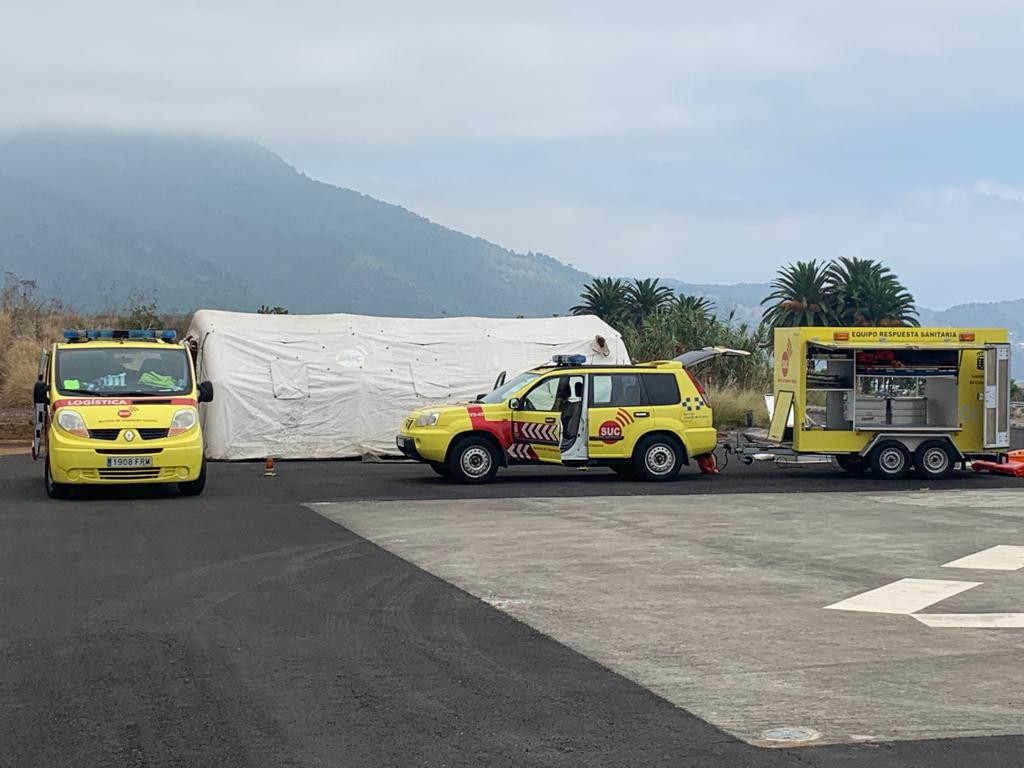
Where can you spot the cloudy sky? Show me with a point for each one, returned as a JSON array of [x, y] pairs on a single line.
[[709, 142]]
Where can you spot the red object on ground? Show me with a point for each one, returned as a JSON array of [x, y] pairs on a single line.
[[1011, 468], [707, 464], [269, 471]]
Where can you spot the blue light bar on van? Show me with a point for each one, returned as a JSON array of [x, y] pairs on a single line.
[[84, 335], [569, 359]]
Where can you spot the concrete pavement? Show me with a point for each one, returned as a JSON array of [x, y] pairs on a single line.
[[717, 603]]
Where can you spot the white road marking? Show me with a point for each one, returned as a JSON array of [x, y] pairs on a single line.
[[1002, 557], [903, 596], [973, 620]]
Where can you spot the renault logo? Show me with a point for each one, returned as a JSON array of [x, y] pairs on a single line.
[[129, 435]]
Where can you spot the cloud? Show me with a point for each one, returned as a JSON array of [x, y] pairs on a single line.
[[416, 72], [704, 141], [945, 256]]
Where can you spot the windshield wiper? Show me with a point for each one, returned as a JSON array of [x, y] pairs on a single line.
[[92, 392]]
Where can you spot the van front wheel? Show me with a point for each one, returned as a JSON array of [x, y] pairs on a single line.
[[194, 487], [53, 490]]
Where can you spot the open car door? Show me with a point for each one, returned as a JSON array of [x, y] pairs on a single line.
[[573, 445], [699, 356]]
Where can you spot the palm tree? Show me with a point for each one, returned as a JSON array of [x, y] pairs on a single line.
[[868, 293], [605, 297], [884, 303], [645, 298], [802, 295], [696, 306]]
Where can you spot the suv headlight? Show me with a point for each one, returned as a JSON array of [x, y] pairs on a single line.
[[72, 422], [428, 419], [183, 421]]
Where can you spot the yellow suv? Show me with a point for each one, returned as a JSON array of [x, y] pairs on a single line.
[[119, 407], [643, 420]]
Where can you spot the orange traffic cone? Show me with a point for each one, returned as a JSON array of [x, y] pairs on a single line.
[[269, 471]]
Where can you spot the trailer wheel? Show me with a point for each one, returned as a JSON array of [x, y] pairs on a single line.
[[935, 460], [853, 463], [890, 460]]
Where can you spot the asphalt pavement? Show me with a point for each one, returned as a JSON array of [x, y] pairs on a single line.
[[241, 628]]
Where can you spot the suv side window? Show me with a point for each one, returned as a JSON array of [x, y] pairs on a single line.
[[551, 393], [661, 388], [609, 390]]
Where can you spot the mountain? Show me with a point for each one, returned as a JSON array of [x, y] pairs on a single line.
[[100, 218], [193, 222]]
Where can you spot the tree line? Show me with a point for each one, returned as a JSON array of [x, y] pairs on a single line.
[[658, 324]]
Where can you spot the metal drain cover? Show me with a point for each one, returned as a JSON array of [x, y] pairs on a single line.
[[790, 735]]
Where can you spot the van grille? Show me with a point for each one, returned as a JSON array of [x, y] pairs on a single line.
[[146, 433], [104, 434], [130, 473]]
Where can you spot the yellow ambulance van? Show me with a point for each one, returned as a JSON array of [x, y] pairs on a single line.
[[119, 407]]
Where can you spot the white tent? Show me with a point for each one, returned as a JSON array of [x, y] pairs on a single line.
[[331, 386]]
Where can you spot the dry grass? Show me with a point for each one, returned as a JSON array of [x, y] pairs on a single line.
[[25, 330], [730, 407]]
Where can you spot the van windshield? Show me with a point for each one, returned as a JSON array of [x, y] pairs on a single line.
[[509, 388], [123, 371]]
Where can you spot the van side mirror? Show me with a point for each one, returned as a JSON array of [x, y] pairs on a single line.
[[40, 393], [515, 404], [205, 391]]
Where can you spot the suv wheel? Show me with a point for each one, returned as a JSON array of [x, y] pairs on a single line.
[[657, 458], [472, 460]]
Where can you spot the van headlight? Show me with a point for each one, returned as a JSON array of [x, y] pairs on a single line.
[[72, 422], [183, 421], [428, 419]]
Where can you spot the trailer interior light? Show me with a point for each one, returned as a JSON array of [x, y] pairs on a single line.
[[966, 337], [841, 336]]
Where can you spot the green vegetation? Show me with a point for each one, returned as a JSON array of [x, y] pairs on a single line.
[[28, 323], [845, 291], [656, 324]]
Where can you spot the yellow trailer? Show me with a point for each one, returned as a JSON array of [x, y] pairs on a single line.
[[893, 399]]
